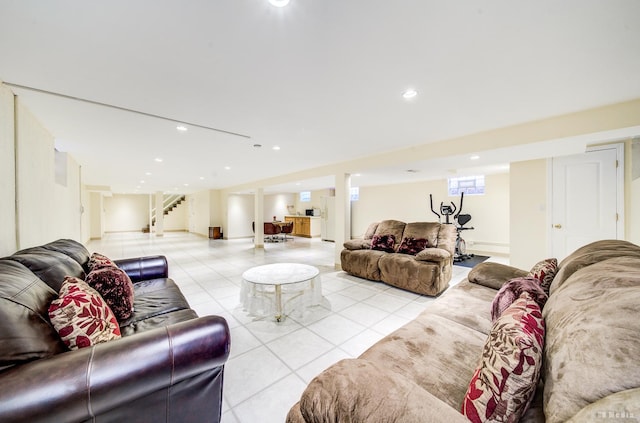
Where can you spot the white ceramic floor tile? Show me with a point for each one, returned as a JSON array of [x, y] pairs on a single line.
[[271, 362], [299, 348], [336, 329], [250, 373], [272, 404]]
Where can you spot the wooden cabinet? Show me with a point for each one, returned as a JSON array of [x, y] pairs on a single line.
[[305, 226]]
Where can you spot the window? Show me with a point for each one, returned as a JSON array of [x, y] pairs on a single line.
[[355, 193], [470, 185], [305, 196]]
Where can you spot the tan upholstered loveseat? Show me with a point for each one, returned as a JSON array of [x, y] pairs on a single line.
[[419, 257], [589, 368]]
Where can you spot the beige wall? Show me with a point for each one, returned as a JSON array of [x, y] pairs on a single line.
[[8, 243], [35, 208], [528, 209], [410, 203]]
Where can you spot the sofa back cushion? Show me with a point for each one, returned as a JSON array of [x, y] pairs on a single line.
[[71, 248], [391, 227], [593, 336], [423, 230], [590, 254], [49, 265], [25, 331]]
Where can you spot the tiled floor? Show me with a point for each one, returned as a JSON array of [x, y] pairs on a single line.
[[270, 362]]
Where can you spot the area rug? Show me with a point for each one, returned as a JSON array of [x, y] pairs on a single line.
[[470, 262]]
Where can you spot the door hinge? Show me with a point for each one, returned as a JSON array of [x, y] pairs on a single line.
[[617, 217], [617, 164]]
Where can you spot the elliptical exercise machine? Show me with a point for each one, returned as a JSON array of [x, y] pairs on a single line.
[[459, 220]]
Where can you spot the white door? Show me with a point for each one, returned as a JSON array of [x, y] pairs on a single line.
[[328, 218], [585, 200]]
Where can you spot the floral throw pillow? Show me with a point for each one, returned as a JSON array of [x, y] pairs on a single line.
[[81, 317], [413, 246], [384, 243], [98, 260], [512, 290], [545, 271], [502, 387], [115, 286]]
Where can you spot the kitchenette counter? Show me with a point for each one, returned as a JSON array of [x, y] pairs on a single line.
[[306, 226]]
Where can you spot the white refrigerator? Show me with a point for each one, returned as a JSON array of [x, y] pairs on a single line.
[[327, 218]]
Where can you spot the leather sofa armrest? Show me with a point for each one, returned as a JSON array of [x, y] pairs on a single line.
[[77, 385], [144, 268], [433, 254], [357, 244], [494, 275]]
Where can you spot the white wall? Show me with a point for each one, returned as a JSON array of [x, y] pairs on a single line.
[[126, 212], [8, 243], [239, 216], [177, 219], [199, 212], [68, 209], [276, 205]]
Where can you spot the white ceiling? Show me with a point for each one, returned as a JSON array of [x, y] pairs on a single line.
[[322, 79]]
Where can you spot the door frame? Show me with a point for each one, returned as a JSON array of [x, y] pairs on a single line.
[[618, 146]]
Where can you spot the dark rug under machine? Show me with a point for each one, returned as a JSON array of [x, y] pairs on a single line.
[[470, 262]]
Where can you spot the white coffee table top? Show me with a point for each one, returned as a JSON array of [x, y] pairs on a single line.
[[280, 273]]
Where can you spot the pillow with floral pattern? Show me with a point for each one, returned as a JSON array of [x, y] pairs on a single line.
[[545, 271], [384, 243], [81, 317], [503, 386]]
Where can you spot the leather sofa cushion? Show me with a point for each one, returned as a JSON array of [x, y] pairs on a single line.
[[25, 331], [153, 299], [49, 265], [71, 248]]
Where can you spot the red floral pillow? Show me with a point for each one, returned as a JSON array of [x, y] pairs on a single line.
[[115, 286], [503, 386], [81, 317], [98, 260], [412, 246], [545, 271], [384, 243]]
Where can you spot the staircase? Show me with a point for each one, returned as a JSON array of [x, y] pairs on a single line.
[[169, 203]]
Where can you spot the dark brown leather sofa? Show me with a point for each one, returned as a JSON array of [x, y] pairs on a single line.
[[167, 367]]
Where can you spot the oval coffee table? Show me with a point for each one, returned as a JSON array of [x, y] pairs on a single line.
[[276, 289]]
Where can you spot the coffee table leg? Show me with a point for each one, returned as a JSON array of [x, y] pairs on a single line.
[[278, 303]]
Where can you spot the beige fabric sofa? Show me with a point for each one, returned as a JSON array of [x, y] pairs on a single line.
[[420, 373], [425, 272]]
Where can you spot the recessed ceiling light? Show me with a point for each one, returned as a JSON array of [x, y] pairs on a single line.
[[186, 185], [142, 181], [276, 147], [202, 178], [279, 3], [182, 128], [474, 157], [158, 159], [227, 168], [357, 174], [408, 94], [148, 173]]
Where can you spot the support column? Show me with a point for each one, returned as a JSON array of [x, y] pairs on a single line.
[[258, 218], [159, 213], [342, 213]]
